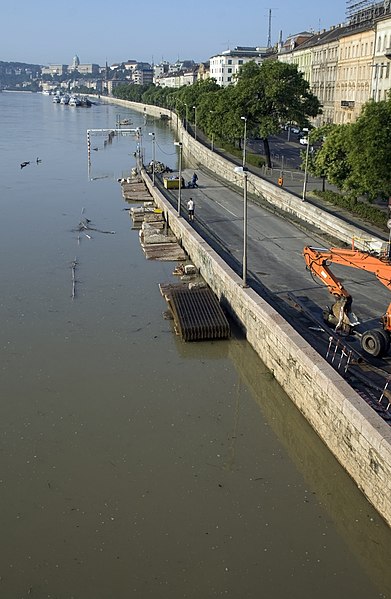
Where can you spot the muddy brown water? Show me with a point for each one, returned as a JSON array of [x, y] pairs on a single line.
[[133, 464]]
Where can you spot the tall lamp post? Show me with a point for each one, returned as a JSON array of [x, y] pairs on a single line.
[[244, 171], [244, 118], [186, 114], [306, 164], [179, 144], [153, 157], [212, 137], [195, 122]]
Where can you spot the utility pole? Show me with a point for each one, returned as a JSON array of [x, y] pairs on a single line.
[[269, 36]]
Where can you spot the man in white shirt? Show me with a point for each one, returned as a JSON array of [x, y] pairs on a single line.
[[190, 208]]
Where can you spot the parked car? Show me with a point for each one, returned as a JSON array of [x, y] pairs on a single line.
[[294, 128]]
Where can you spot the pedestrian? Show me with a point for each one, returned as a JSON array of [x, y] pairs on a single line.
[[190, 208], [194, 180]]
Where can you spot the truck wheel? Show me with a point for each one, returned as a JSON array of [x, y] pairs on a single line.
[[373, 343], [387, 340]]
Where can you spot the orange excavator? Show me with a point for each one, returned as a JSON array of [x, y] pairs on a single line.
[[375, 342]]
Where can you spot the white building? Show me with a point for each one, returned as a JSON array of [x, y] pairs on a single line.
[[224, 66], [177, 79], [381, 65]]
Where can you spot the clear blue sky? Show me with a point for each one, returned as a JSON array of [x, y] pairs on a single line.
[[53, 31]]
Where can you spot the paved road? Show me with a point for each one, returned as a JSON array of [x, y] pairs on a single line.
[[275, 247], [276, 268]]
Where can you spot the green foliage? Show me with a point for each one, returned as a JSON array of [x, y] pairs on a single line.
[[331, 160], [357, 157], [273, 93], [366, 211], [370, 151], [130, 92], [251, 158]]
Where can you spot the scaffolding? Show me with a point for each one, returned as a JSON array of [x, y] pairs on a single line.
[[359, 12]]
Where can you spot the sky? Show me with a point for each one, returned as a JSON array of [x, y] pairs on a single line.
[[52, 32]]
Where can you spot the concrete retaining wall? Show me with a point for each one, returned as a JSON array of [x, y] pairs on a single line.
[[354, 433]]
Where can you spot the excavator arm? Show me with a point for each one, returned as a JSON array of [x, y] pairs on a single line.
[[317, 260]]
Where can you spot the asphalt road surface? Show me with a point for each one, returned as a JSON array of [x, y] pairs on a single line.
[[274, 248]]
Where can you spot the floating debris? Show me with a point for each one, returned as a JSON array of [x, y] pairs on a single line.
[[73, 269]]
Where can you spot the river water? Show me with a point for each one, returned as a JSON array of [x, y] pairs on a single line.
[[132, 464]]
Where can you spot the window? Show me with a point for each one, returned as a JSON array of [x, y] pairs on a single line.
[[230, 61], [229, 70], [240, 61]]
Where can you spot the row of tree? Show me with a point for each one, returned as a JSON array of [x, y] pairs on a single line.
[[354, 157]]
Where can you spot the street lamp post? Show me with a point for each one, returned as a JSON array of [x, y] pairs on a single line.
[[244, 139], [244, 171], [195, 122], [179, 144], [212, 136], [153, 157], [186, 114], [306, 165]]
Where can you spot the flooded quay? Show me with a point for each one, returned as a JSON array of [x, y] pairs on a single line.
[[133, 464]]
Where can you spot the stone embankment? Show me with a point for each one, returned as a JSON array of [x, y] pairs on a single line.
[[354, 433]]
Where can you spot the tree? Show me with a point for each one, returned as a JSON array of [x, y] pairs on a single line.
[[270, 94], [332, 159], [370, 151]]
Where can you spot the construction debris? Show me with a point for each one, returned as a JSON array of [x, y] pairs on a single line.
[[134, 190], [197, 313]]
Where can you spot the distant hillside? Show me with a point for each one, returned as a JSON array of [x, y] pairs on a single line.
[[16, 75]]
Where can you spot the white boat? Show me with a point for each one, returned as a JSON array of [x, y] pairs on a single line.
[[64, 99], [74, 101], [56, 99], [47, 92]]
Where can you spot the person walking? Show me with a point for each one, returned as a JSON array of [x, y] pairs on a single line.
[[190, 208], [194, 180]]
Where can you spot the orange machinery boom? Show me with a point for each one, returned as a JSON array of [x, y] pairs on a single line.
[[318, 260]]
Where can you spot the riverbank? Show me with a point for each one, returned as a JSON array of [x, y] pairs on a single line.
[[355, 435]]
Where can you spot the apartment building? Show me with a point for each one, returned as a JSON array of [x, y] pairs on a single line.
[[223, 67], [354, 73], [345, 66], [381, 64]]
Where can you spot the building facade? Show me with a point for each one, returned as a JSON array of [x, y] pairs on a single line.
[[354, 73], [381, 66], [224, 67]]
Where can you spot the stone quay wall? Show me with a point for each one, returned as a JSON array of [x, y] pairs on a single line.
[[354, 433], [359, 439]]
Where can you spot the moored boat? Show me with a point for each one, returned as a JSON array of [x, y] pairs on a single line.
[[74, 101]]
